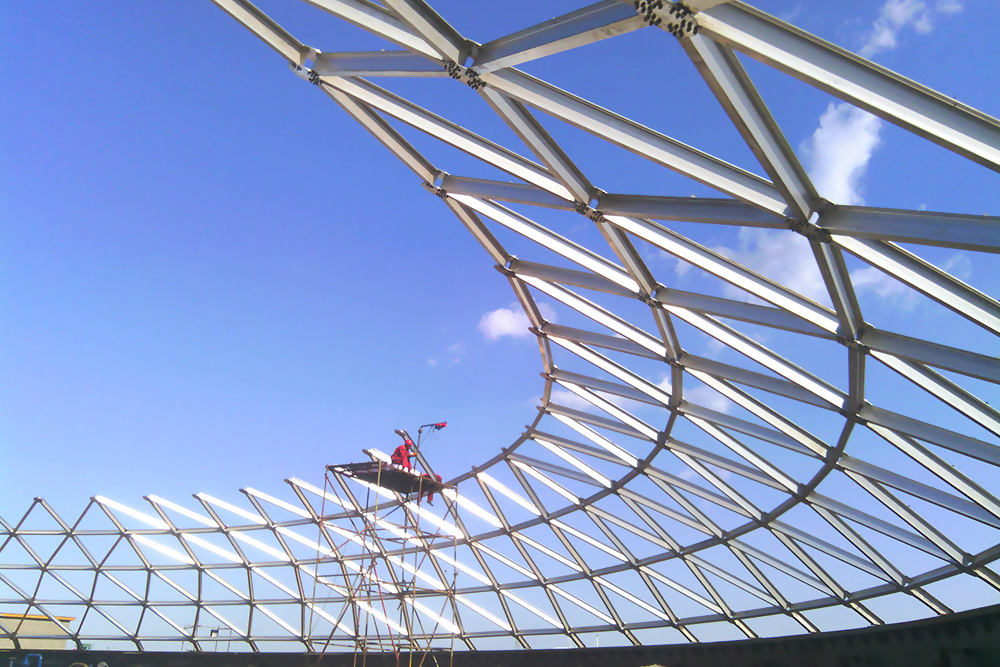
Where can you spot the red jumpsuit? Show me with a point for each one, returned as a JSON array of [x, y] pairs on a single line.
[[401, 457]]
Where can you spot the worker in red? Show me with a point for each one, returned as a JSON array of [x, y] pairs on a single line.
[[402, 456]]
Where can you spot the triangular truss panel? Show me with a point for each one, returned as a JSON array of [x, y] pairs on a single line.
[[730, 442]]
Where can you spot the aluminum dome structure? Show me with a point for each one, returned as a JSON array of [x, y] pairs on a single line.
[[659, 495]]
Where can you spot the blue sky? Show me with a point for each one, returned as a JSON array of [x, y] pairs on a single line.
[[211, 278]]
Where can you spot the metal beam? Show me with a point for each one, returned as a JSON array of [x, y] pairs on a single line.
[[386, 134], [727, 270], [753, 379], [603, 386], [767, 316], [771, 435], [549, 239], [435, 30], [944, 230], [594, 420], [598, 339], [926, 278], [726, 78], [266, 29], [933, 354], [601, 315], [923, 491], [639, 139], [945, 390], [377, 20], [541, 144], [956, 442], [517, 193], [558, 274], [765, 357], [601, 20], [934, 116], [690, 209], [449, 132], [376, 63]]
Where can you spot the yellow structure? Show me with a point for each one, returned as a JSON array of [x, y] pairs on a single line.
[[35, 625]]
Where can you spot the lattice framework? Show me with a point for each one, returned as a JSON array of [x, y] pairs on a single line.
[[711, 518]]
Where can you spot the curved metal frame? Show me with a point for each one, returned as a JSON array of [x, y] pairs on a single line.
[[721, 524]]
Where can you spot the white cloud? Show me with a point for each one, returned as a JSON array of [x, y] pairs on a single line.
[[784, 257], [948, 6], [691, 475], [836, 156], [680, 266], [884, 286], [453, 354], [872, 280], [898, 15], [504, 322], [959, 265], [569, 399], [511, 321], [707, 397], [838, 152], [702, 395]]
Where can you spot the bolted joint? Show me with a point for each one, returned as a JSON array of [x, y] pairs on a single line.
[[678, 19], [852, 343], [473, 79], [466, 75], [648, 300], [588, 212], [305, 73], [809, 230], [440, 192], [505, 270]]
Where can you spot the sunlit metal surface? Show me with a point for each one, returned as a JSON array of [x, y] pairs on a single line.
[[660, 494]]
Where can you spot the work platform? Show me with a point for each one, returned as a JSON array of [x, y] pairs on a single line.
[[389, 476]]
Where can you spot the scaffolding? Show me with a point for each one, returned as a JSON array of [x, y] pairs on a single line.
[[398, 595]]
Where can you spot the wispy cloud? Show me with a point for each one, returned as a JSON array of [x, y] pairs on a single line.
[[837, 155], [948, 6], [784, 257], [453, 355], [707, 397], [873, 281], [570, 400], [838, 152], [511, 321], [897, 16]]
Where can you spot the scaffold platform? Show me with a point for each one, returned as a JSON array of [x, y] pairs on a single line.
[[389, 476]]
